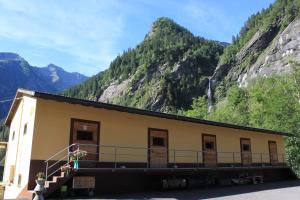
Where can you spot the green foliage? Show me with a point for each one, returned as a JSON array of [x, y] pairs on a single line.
[[166, 46], [233, 109], [4, 132], [40, 176], [277, 17], [270, 103], [199, 108]]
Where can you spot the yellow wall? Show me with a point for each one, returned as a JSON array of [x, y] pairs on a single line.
[[52, 130], [19, 149]]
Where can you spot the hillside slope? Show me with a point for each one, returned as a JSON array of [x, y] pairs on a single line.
[[163, 73], [265, 45], [16, 72], [257, 81]]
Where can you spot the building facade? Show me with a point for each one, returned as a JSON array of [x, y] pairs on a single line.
[[45, 128]]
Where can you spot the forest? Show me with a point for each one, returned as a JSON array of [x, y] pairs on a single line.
[[268, 102]]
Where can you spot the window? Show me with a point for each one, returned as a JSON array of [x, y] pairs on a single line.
[[25, 129], [85, 135], [13, 135], [158, 141], [246, 147], [209, 145], [11, 174], [19, 180]]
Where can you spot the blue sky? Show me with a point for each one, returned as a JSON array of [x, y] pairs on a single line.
[[86, 35]]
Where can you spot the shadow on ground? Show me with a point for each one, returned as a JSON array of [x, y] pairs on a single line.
[[206, 193]]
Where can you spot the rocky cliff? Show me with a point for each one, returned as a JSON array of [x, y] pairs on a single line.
[[163, 73], [268, 44], [278, 57]]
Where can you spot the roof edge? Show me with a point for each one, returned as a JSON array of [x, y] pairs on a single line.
[[17, 97], [151, 113]]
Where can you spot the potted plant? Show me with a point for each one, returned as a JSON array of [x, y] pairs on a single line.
[[66, 168], [40, 185], [40, 177], [77, 155]]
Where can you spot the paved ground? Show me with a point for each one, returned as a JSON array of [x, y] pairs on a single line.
[[287, 190]]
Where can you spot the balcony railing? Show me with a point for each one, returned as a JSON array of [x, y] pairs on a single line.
[[122, 157]]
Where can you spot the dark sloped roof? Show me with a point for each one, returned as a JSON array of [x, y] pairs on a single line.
[[135, 111]]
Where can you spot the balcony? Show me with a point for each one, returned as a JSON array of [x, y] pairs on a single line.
[[122, 158]]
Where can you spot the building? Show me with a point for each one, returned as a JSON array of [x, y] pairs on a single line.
[[2, 158], [129, 148]]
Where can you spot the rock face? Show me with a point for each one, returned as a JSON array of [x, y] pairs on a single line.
[[258, 43], [276, 59], [270, 52], [163, 73], [16, 72], [58, 77], [114, 90]]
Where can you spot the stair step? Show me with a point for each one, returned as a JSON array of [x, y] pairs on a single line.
[[47, 183], [55, 178], [57, 181]]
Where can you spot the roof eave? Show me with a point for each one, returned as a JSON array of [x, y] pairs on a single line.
[[151, 113], [19, 94]]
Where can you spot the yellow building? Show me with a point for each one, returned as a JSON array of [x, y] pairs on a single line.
[[123, 142]]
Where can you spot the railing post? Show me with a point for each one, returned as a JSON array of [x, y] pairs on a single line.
[[68, 159], [77, 151], [46, 173], [197, 159], [261, 160], [233, 159], [283, 160], [174, 159], [148, 156], [115, 156]]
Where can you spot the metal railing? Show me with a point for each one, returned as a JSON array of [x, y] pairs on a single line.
[[114, 157]]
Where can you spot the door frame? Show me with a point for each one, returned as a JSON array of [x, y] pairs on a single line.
[[149, 142], [272, 141], [241, 148], [87, 121], [216, 148]]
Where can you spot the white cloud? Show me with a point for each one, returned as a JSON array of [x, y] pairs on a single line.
[[87, 30]]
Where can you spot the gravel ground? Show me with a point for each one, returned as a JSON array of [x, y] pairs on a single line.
[[285, 190]]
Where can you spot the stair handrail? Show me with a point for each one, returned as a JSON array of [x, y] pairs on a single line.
[[68, 147], [56, 154]]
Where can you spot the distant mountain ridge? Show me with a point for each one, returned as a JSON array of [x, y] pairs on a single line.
[[16, 72]]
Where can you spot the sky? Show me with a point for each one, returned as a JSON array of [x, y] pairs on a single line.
[[86, 35]]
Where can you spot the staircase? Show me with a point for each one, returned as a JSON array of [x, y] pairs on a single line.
[[57, 182], [55, 178]]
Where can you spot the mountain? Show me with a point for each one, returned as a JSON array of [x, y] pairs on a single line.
[[257, 80], [16, 72], [266, 44], [163, 73], [254, 81]]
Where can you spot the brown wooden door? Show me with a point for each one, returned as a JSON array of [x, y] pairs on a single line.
[[158, 148], [209, 147], [246, 154], [273, 153], [86, 133]]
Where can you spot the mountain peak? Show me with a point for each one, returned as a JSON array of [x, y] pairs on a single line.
[[53, 67], [165, 25], [10, 56]]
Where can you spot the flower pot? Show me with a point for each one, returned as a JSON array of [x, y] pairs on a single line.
[[76, 164]]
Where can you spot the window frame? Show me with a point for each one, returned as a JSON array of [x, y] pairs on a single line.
[[90, 133], [161, 141], [25, 128]]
